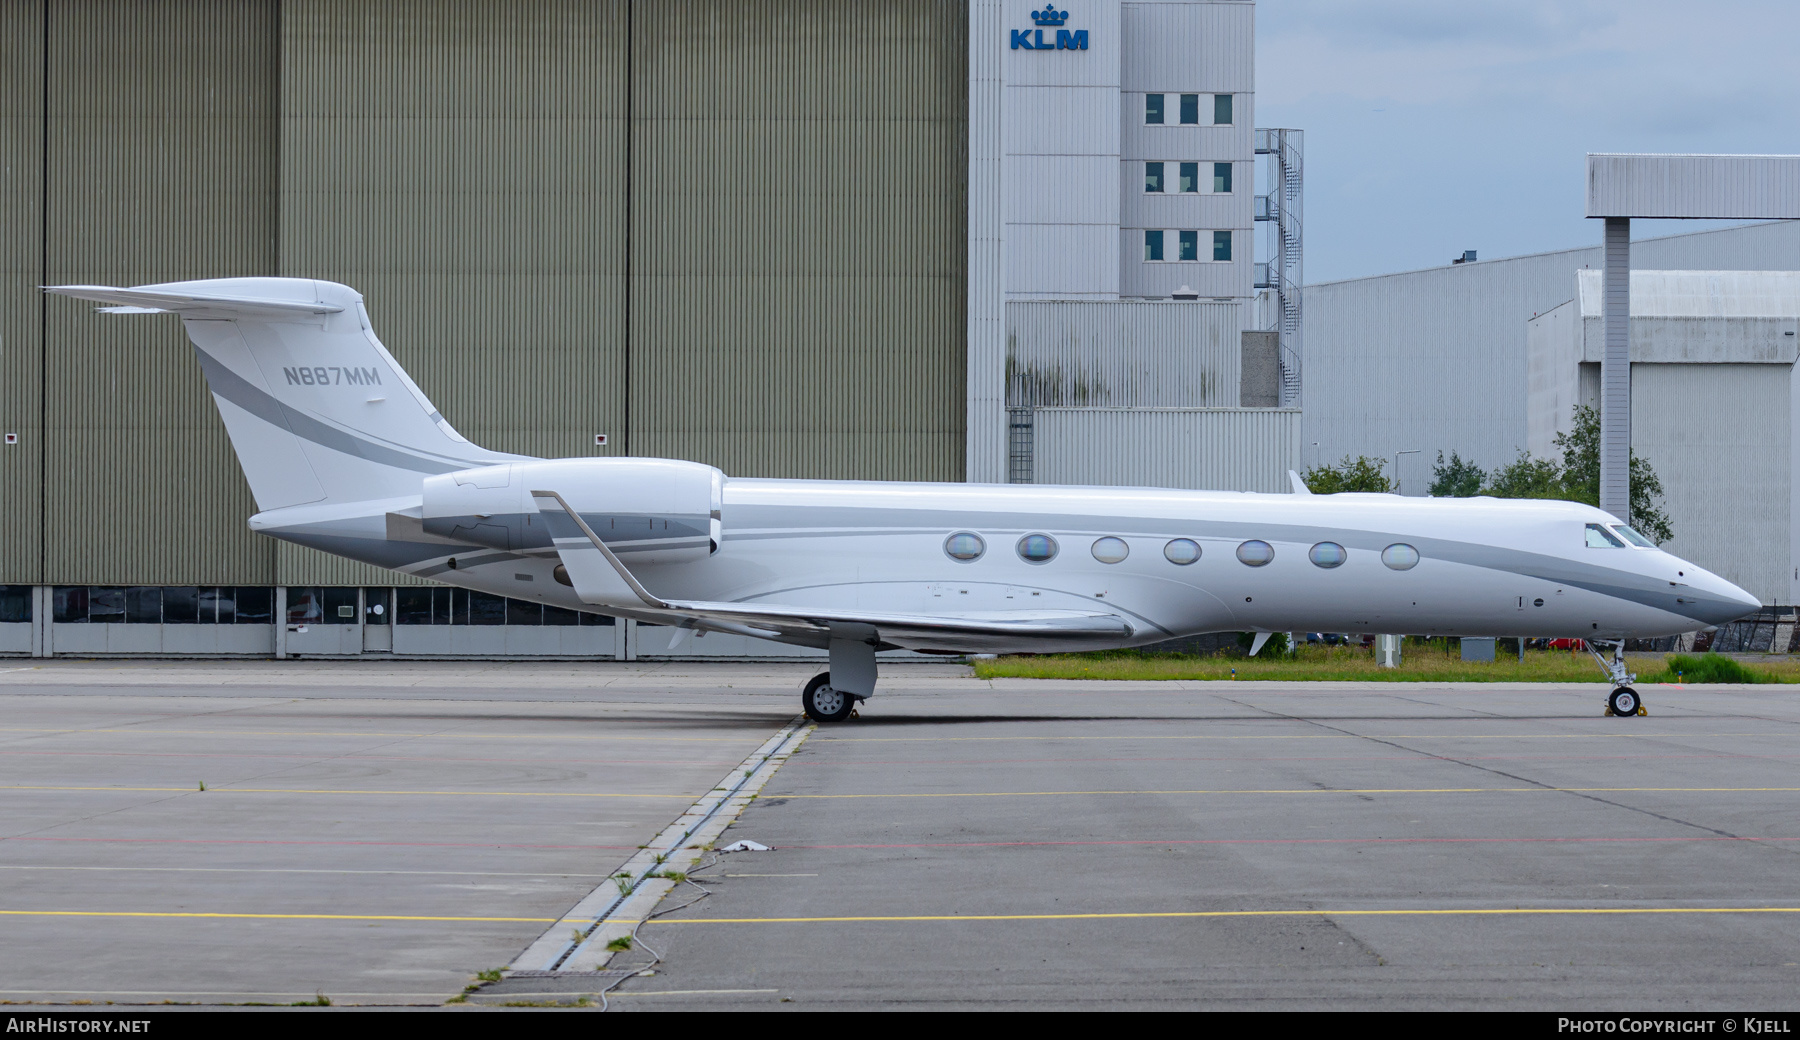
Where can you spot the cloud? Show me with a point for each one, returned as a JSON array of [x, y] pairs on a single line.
[[1437, 127]]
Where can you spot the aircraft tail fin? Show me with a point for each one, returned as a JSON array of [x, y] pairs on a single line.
[[317, 409]]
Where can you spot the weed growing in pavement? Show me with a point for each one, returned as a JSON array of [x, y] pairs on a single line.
[[623, 942], [318, 1000]]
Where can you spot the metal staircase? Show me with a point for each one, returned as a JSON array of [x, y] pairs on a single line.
[[1279, 210]]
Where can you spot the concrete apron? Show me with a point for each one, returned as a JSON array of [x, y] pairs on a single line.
[[576, 944]]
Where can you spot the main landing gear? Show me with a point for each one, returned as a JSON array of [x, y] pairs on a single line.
[[1624, 700], [823, 703], [853, 663]]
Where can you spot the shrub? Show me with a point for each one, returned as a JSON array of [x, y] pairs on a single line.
[[1707, 668]]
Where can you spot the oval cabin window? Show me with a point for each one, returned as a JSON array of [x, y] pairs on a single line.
[[1037, 548], [1255, 553], [1400, 556], [964, 546], [1182, 551], [1327, 555], [1111, 550]]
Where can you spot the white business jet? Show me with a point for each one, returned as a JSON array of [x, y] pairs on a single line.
[[345, 454]]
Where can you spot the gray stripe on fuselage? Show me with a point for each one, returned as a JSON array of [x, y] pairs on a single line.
[[239, 391], [764, 521]]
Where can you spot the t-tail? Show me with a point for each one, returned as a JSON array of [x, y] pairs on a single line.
[[317, 409]]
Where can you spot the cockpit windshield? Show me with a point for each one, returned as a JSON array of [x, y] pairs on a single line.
[[1599, 537], [1629, 533]]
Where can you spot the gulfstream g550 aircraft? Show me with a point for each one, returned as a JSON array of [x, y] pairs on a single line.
[[345, 454]]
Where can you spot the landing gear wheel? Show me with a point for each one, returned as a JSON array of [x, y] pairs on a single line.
[[1624, 701], [824, 704]]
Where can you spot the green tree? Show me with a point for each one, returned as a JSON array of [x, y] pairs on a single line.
[[1359, 474], [1576, 478], [1526, 477], [1581, 474], [1456, 478]]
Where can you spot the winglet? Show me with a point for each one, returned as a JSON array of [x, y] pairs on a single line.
[[591, 578], [1300, 487]]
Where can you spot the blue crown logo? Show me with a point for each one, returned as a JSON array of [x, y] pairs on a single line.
[[1049, 16]]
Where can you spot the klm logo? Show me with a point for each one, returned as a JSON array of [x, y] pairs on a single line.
[[1049, 18]]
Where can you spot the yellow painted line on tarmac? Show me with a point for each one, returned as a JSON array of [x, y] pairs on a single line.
[[1298, 790], [1516, 911], [278, 917], [300, 790]]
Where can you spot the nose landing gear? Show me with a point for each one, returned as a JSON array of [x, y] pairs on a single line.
[[1624, 700]]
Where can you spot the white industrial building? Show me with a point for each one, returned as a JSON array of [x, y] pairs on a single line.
[[1713, 398], [1112, 219], [1487, 359]]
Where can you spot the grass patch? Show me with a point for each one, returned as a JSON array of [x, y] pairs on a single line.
[[1713, 668], [1421, 661]]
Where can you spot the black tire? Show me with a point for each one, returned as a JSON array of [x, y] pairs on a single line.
[[1624, 701], [821, 703]]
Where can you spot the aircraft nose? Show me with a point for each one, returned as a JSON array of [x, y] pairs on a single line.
[[1720, 601]]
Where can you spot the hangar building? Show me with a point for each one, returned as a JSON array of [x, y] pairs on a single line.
[[909, 240]]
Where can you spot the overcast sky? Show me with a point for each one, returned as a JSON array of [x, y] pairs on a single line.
[[1435, 126]]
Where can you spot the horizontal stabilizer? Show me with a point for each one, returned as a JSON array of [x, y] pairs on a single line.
[[161, 299]]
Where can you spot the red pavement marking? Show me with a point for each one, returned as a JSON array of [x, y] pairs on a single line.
[[1263, 841]]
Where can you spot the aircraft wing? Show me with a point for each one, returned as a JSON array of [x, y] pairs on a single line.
[[599, 578]]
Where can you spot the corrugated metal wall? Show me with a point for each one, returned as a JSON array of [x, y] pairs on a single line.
[[160, 157], [1224, 449], [1741, 186], [21, 270], [796, 250], [462, 164], [985, 452], [1122, 355], [1436, 359], [798, 236]]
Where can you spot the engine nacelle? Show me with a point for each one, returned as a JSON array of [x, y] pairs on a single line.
[[645, 510]]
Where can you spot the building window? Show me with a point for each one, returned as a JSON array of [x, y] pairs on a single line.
[[1222, 109], [153, 605], [1190, 245], [15, 604], [1221, 245], [1190, 176], [1153, 242], [1153, 108], [1190, 109], [1221, 176], [1153, 176]]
